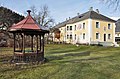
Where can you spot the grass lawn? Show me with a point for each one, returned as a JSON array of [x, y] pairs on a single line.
[[67, 62]]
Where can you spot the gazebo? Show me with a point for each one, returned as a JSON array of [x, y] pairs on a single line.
[[28, 28]]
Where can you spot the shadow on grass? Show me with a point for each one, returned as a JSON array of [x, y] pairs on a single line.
[[87, 53], [61, 57], [80, 60], [5, 58], [63, 51]]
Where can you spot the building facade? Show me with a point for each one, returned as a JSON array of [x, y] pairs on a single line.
[[117, 31], [88, 28]]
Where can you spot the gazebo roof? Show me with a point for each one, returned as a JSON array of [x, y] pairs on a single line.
[[27, 24]]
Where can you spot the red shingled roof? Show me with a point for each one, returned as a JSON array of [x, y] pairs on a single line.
[[27, 23]]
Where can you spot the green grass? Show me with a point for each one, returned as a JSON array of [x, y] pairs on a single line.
[[67, 62]]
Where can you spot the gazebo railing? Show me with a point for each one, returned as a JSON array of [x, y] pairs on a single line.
[[28, 57]]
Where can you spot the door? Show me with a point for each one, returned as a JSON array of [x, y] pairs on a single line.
[[104, 37]]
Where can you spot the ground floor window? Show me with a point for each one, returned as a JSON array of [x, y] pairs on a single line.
[[117, 39], [83, 35], [109, 36], [70, 36], [75, 36], [97, 35], [67, 36]]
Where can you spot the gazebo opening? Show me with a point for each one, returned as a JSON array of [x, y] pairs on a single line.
[[28, 31]]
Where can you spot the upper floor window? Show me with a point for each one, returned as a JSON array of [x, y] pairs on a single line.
[[97, 35], [97, 25], [104, 28], [70, 27], [67, 27], [109, 26], [83, 35], [83, 25], [109, 36], [75, 27]]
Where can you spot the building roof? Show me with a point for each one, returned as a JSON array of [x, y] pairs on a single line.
[[27, 24], [87, 15]]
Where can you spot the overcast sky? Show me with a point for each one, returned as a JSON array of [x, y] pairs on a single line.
[[60, 9]]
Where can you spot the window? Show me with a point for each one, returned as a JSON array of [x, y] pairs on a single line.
[[109, 26], [117, 34], [104, 28], [67, 27], [97, 35], [97, 25], [75, 36], [83, 35], [109, 36], [75, 27], [67, 36], [70, 27], [83, 25], [70, 36]]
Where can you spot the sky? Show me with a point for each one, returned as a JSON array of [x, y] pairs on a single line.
[[61, 9]]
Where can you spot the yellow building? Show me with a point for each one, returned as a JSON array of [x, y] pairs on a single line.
[[87, 28]]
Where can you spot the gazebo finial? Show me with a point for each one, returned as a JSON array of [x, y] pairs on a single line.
[[28, 12]]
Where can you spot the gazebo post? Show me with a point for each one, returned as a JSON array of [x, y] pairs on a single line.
[[40, 42], [22, 43], [43, 45], [14, 35], [32, 43], [37, 43], [23, 47]]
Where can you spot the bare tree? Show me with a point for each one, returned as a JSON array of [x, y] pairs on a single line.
[[42, 16], [112, 4]]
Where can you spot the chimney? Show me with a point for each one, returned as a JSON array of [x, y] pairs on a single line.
[[78, 14], [91, 9], [69, 18], [66, 19], [97, 10], [28, 12]]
